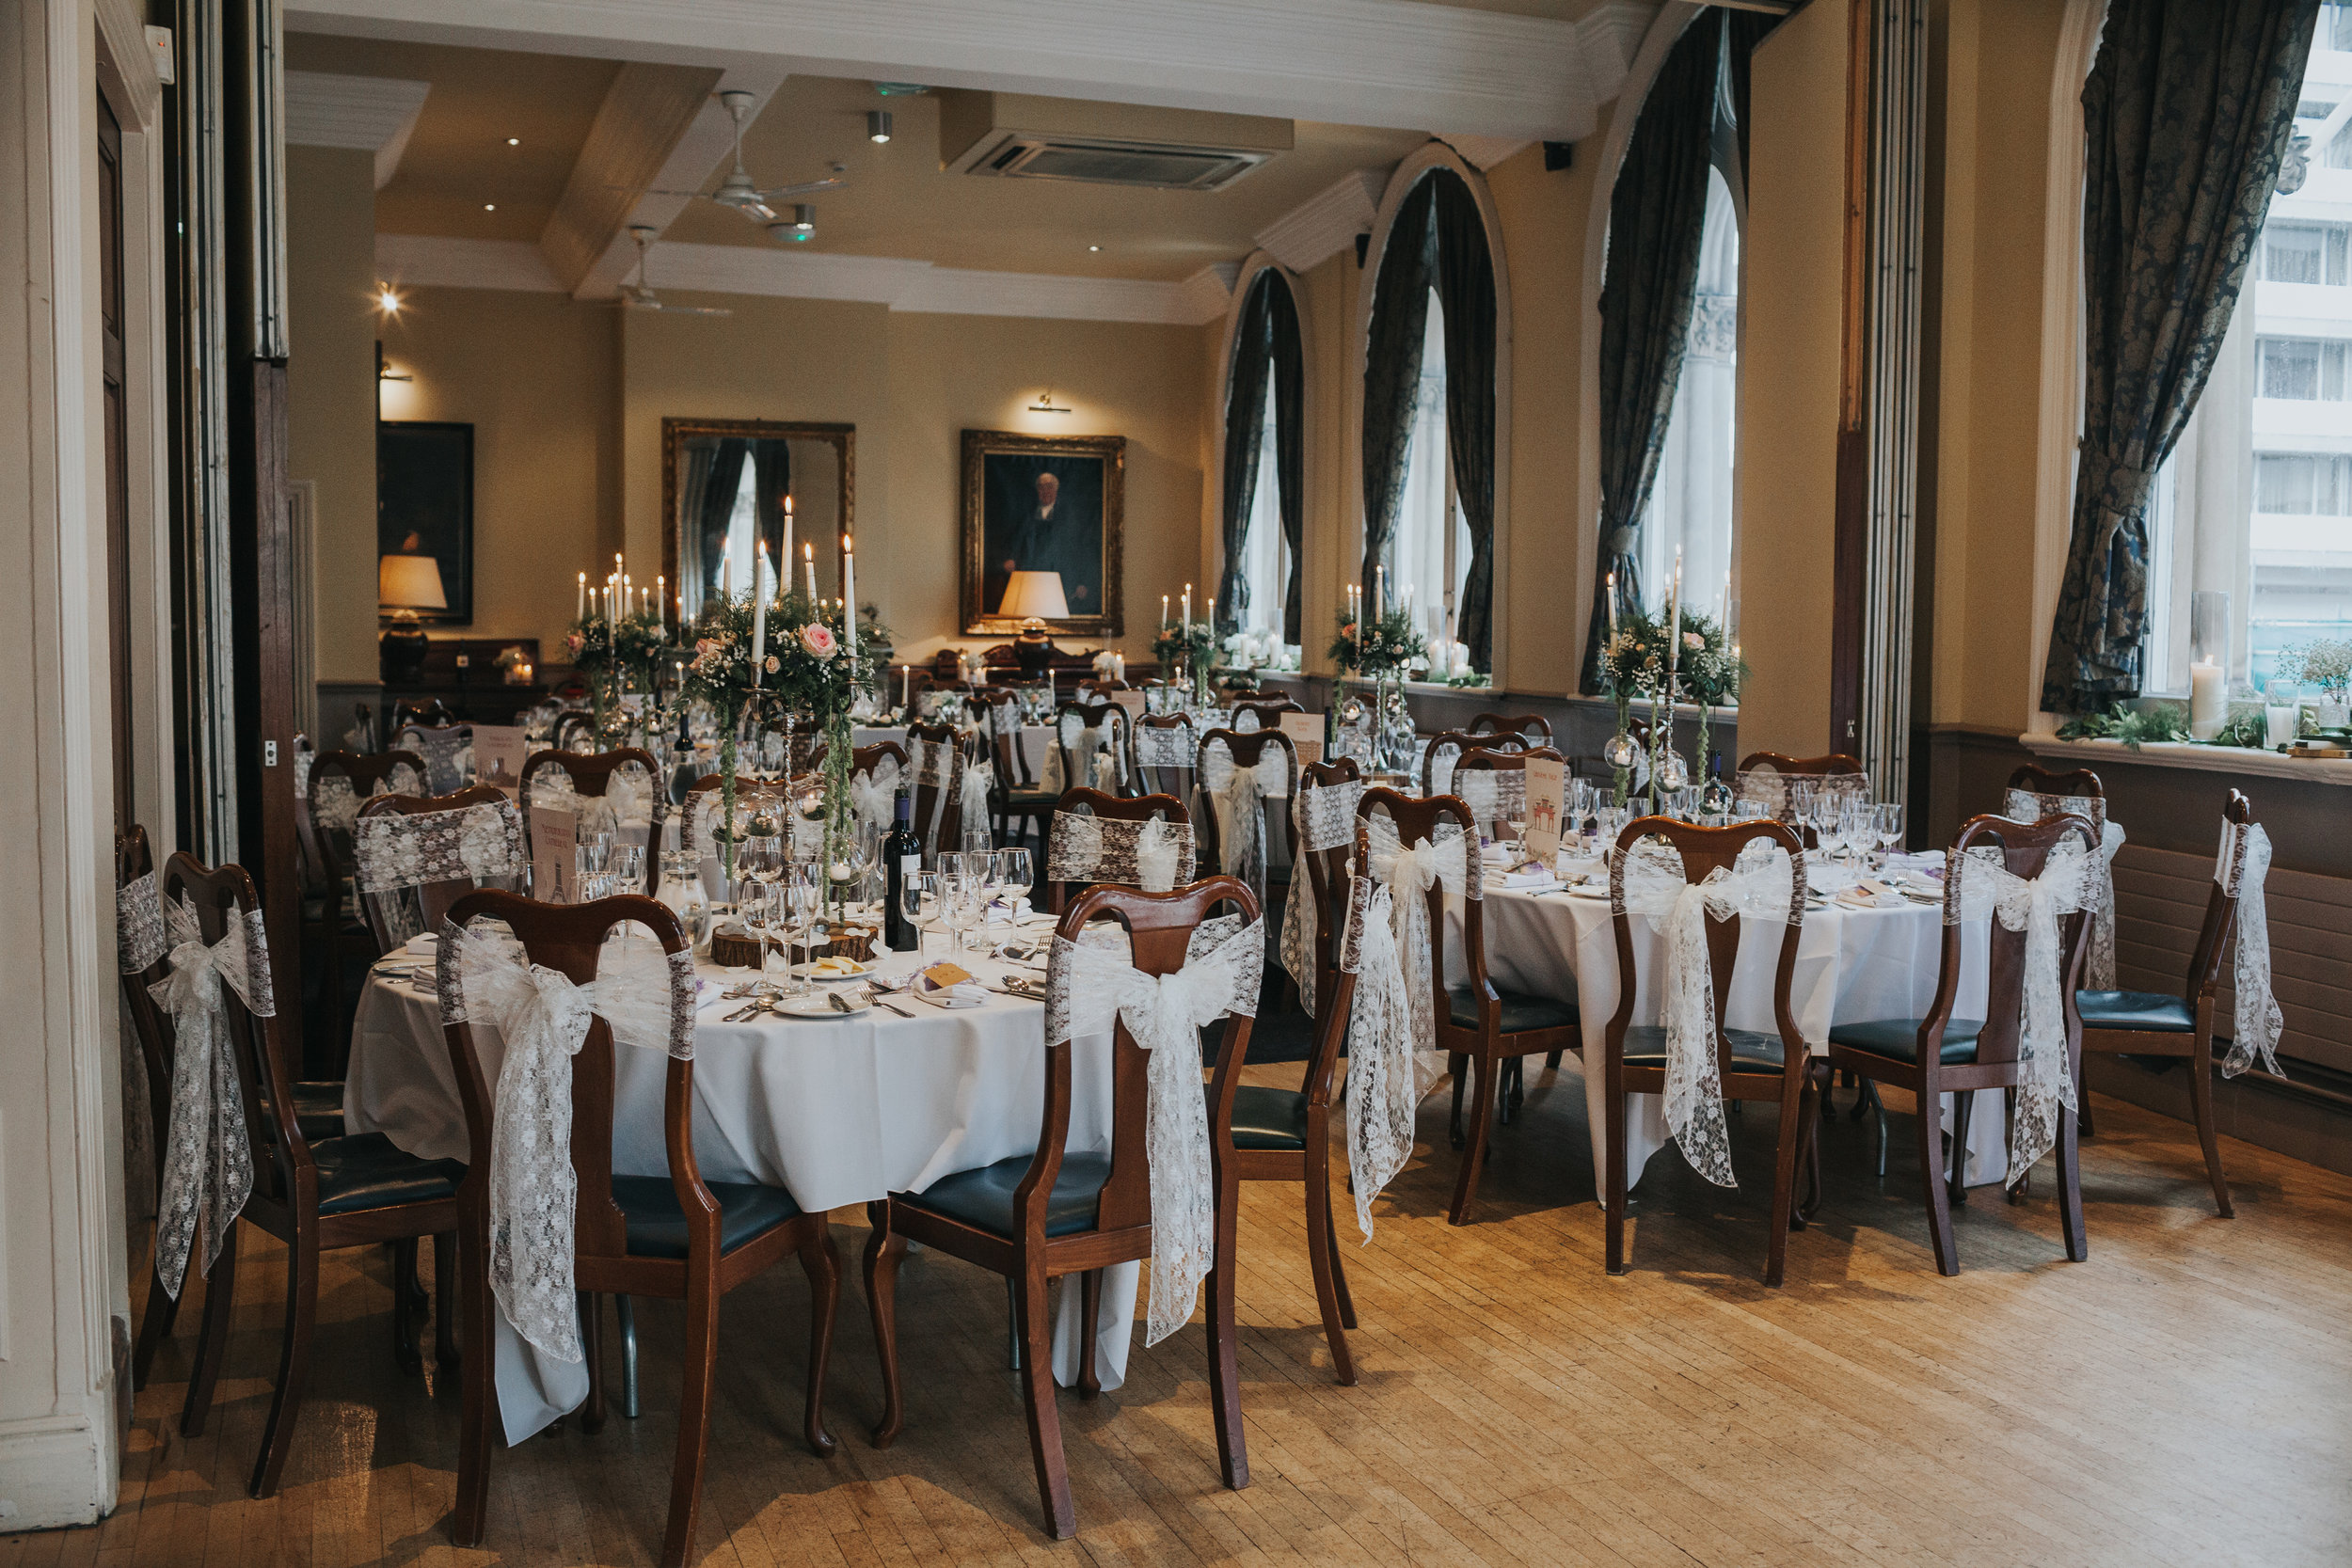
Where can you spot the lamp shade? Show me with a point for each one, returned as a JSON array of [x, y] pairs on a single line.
[[409, 582], [1034, 597]]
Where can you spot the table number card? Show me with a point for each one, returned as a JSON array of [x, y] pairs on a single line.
[[1132, 702], [1305, 731], [554, 832], [499, 752], [1546, 788]]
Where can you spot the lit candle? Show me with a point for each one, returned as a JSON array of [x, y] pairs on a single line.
[[2208, 701], [661, 591], [759, 612], [784, 561], [1613, 606], [808, 561], [1674, 624], [1379, 589], [848, 597], [1163, 615], [726, 571], [580, 604], [1212, 614], [906, 684], [1189, 609]]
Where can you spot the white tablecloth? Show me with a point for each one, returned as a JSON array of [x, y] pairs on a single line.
[[1853, 965], [834, 1111]]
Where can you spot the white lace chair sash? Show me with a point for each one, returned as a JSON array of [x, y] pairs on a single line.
[[334, 799], [208, 1160], [1087, 988], [1090, 745], [1154, 855], [139, 942], [978, 779], [448, 755], [1450, 861], [2242, 868], [874, 793], [1768, 786], [1388, 1070], [1324, 817], [1765, 883], [1166, 745], [399, 849], [1979, 885], [647, 997], [1493, 794], [2028, 805]]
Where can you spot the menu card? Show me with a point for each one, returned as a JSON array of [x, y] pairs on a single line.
[[554, 834], [1132, 702], [1305, 732], [499, 752], [1547, 787]]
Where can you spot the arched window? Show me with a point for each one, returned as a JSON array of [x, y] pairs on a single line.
[[1264, 512], [1430, 362], [1690, 502]]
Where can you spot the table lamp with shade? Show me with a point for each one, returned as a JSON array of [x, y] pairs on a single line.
[[403, 585], [1034, 598]]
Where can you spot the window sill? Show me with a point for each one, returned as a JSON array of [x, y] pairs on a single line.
[[2241, 760]]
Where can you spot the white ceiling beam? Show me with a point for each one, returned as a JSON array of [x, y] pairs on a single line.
[[646, 112], [1326, 222], [360, 114], [1396, 63]]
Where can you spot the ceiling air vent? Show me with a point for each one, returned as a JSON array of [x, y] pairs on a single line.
[[1017, 136]]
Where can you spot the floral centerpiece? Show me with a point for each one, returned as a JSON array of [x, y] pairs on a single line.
[[588, 644], [2325, 662], [1191, 644], [1381, 645]]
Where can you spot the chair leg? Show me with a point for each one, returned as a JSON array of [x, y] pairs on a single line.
[[1457, 1066], [1339, 1269], [1322, 1262], [211, 1336], [476, 1374], [1552, 1060], [1614, 1179], [2070, 1180], [624, 1309], [2201, 1104], [404, 1354], [591, 1413], [1012, 1325], [1511, 1089], [1796, 1109], [696, 1376], [1474, 1150], [1036, 1392], [884, 1249], [445, 1299], [1232, 1450], [821, 1259], [294, 1363], [1879, 1106], [1931, 1176], [2082, 1098], [155, 1326], [1962, 1105], [1089, 1311]]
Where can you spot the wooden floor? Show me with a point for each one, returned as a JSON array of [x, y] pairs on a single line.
[[2184, 1396]]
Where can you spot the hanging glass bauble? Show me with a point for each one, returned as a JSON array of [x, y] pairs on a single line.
[[1673, 772], [1619, 750]]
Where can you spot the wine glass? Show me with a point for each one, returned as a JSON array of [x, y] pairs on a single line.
[[960, 898], [1014, 873], [804, 897], [757, 907], [1887, 825], [914, 889]]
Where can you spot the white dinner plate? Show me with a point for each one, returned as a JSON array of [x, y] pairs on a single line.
[[809, 970], [819, 1006]]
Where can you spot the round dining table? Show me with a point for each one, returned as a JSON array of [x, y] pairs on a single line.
[[1859, 956], [836, 1110]]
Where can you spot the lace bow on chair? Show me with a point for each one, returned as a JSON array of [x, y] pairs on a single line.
[[1407, 874], [139, 925], [2241, 868], [2027, 805], [1151, 855], [1087, 987], [647, 998], [1977, 887], [208, 1161], [1325, 816], [980, 778], [477, 844], [1384, 1075], [1649, 880], [334, 803], [874, 794], [1492, 796]]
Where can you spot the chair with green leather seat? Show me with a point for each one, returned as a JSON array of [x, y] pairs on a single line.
[[674, 1235], [1060, 1211], [1476, 1022], [2156, 1023], [357, 1190], [1750, 1063], [1492, 802], [1940, 1054]]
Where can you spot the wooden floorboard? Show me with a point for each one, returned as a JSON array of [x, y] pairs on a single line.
[[2183, 1398]]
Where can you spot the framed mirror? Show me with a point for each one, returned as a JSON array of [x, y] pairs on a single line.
[[725, 484]]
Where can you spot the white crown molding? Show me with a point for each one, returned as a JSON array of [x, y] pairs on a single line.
[[900, 283], [365, 113], [430, 260], [1322, 224], [1399, 63]]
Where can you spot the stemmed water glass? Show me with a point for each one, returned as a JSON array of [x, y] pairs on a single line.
[[1887, 825], [805, 893], [1013, 873], [961, 899]]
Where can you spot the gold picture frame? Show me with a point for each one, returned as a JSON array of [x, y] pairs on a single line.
[[1010, 523]]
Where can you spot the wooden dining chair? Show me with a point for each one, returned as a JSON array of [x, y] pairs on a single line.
[[441, 746], [1224, 752], [1454, 745], [1326, 864], [1083, 729], [397, 910], [1942, 1054], [1018, 803], [1477, 1023], [574, 729], [1261, 716], [1750, 1063], [2158, 1023], [1491, 806], [340, 782], [675, 1236], [1059, 1211], [592, 774], [1807, 768], [138, 907], [1167, 753], [1066, 879], [936, 781], [1534, 728], [357, 1190], [430, 712], [1282, 1134]]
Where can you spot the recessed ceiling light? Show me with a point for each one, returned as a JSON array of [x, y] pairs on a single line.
[[514, 141], [387, 299], [1094, 248], [489, 206]]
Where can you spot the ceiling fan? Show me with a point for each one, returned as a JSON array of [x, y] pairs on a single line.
[[736, 191], [639, 296]]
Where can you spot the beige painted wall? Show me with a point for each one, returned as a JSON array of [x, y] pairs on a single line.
[[537, 375], [330, 381], [1787, 400]]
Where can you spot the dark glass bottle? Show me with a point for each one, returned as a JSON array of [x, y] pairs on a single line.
[[902, 856]]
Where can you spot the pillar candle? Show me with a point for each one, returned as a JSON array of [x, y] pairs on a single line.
[[759, 612], [1189, 609], [2208, 699], [848, 597], [726, 570], [580, 603], [1674, 623], [808, 563], [1612, 606], [784, 561], [1163, 615]]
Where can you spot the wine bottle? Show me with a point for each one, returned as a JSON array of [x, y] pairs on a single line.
[[902, 857]]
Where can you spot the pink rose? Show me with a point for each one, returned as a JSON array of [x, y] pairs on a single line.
[[774, 664], [575, 643], [818, 640], [1693, 642]]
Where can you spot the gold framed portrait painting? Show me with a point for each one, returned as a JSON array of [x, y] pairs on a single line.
[[1043, 503]]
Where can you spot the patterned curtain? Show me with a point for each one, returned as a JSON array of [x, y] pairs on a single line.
[[1466, 289], [1655, 214], [1245, 422], [1400, 313], [1290, 439], [771, 481], [718, 507], [2185, 119]]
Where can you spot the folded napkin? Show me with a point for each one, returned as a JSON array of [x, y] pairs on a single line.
[[1531, 874], [1001, 912], [967, 993], [420, 946]]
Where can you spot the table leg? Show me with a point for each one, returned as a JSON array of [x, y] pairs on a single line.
[[626, 1310]]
